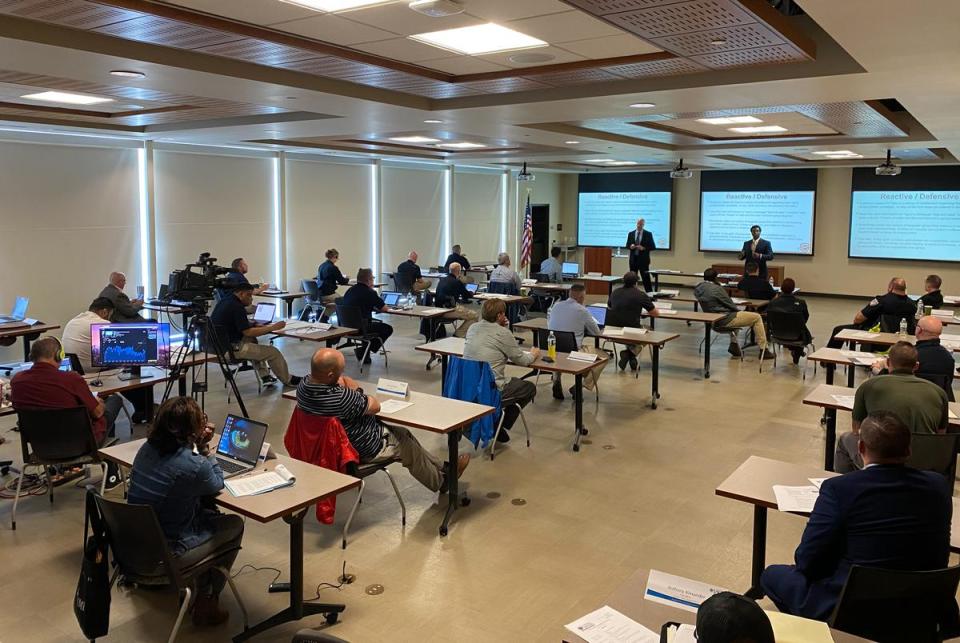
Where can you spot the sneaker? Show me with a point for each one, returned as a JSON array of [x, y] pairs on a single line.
[[734, 350], [557, 390], [503, 436], [767, 355], [625, 357], [266, 380]]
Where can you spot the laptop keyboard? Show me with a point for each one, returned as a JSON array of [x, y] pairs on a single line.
[[229, 466]]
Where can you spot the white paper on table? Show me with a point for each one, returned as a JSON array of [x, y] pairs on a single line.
[[738, 300], [951, 414], [951, 299], [392, 406], [630, 330], [677, 591], [666, 311], [846, 401], [613, 332], [942, 312], [855, 353], [686, 633], [669, 293], [431, 311], [799, 499], [864, 361], [860, 334], [607, 625], [583, 357], [817, 481], [663, 305], [594, 274], [794, 629]]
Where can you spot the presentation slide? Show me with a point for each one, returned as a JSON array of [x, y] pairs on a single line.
[[607, 217], [916, 224], [786, 218]]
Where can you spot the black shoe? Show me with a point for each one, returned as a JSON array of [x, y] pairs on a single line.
[[573, 391], [138, 417], [266, 380], [359, 353], [634, 365], [295, 380], [734, 350], [796, 356], [557, 390], [368, 360], [624, 358], [767, 355], [113, 477], [503, 436]]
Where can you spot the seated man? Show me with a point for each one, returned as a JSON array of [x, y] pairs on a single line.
[[755, 286], [887, 515], [932, 358], [409, 272], [788, 303], [571, 316], [504, 273], [330, 393], [124, 308], [552, 267], [456, 257], [625, 308], [238, 275], [714, 299], [933, 297], [726, 617], [363, 296], [489, 340], [45, 386], [229, 317], [176, 472], [329, 278], [451, 292], [895, 303], [919, 404]]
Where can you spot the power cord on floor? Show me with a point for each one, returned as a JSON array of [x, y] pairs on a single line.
[[258, 569], [344, 580]]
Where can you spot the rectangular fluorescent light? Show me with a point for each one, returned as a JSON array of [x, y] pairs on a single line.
[[762, 129], [67, 98], [599, 161], [414, 139], [844, 156], [479, 39], [834, 152], [465, 145], [336, 5], [729, 120], [622, 163]]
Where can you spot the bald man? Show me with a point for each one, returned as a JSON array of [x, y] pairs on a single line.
[[124, 308], [330, 393], [410, 273], [935, 362], [886, 310]]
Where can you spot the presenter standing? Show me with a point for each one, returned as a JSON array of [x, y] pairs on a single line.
[[640, 242], [756, 250]]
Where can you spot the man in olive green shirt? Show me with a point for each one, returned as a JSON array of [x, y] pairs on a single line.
[[919, 404]]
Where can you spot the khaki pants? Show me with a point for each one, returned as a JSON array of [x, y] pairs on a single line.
[[590, 377], [747, 320], [425, 467], [263, 356], [329, 304], [468, 316], [421, 284]]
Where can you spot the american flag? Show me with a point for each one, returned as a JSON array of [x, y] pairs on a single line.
[[527, 236]]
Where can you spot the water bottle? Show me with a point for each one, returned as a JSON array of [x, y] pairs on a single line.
[[903, 327], [313, 315], [919, 309], [552, 346]]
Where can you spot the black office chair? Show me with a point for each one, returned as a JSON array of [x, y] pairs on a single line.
[[142, 556], [515, 312], [891, 323], [234, 364], [543, 300], [312, 301], [935, 452], [566, 343], [352, 317], [787, 329], [53, 438], [944, 381], [894, 606], [402, 283]]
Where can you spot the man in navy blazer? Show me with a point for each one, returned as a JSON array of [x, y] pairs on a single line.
[[886, 515], [640, 242], [756, 250]]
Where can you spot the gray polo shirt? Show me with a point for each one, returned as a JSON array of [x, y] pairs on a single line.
[[492, 343], [506, 273]]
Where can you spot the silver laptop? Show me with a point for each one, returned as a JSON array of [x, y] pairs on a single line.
[[264, 314], [240, 443], [19, 312]]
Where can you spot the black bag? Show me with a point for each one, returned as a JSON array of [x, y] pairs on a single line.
[[91, 604]]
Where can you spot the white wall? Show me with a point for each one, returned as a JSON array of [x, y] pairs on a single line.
[[475, 220]]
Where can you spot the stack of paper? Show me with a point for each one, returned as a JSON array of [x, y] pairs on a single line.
[[846, 401], [252, 485], [607, 625], [664, 305], [798, 499], [666, 311], [669, 293], [630, 330], [583, 357], [392, 406]]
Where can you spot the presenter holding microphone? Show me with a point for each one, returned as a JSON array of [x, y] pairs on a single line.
[[756, 250], [640, 243]]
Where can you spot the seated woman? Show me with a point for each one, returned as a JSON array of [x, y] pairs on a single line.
[[175, 473]]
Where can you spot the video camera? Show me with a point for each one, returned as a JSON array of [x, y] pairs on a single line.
[[193, 285]]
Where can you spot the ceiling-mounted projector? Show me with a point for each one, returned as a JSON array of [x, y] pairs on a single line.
[[437, 8], [681, 172], [524, 175], [887, 168]]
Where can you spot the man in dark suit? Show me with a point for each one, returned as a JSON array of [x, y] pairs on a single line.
[[886, 515], [756, 250], [640, 242]]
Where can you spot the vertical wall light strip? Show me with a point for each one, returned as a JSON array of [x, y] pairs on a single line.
[[375, 218], [447, 210], [278, 219], [504, 200], [145, 277]]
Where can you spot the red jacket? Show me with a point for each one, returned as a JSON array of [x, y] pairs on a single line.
[[321, 441]]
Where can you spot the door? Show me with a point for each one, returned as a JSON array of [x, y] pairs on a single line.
[[540, 249]]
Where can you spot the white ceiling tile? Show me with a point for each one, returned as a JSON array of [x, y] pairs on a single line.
[[399, 18], [506, 10], [609, 47], [461, 65], [559, 56], [259, 12], [331, 28], [401, 49], [559, 27]]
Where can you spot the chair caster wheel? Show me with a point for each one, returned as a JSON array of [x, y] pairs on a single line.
[[584, 431], [332, 617], [576, 448], [464, 502], [443, 531], [429, 367]]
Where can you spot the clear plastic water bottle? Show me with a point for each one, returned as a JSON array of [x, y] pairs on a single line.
[[919, 309], [552, 346], [313, 315], [903, 327]]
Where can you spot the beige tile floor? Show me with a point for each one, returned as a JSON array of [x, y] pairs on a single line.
[[639, 494]]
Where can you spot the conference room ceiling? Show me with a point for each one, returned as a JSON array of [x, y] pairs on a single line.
[[857, 76]]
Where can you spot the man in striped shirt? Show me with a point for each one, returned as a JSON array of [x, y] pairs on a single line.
[[329, 393]]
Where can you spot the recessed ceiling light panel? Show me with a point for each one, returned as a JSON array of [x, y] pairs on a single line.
[[464, 145], [479, 39], [127, 73], [67, 98], [729, 120], [762, 129], [414, 139], [642, 105], [432, 121], [572, 142], [336, 5]]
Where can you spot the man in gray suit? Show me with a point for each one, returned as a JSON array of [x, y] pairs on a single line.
[[124, 308]]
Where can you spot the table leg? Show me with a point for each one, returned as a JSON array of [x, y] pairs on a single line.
[[453, 486], [578, 427], [182, 383], [851, 374], [759, 551], [706, 351], [655, 375], [289, 308], [298, 609], [831, 369], [653, 323], [444, 360], [830, 439], [26, 348], [656, 281]]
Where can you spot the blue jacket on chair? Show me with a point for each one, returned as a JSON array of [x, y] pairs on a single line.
[[472, 381]]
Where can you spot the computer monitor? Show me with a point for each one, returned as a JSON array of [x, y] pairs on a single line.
[[472, 288], [130, 345], [599, 313], [391, 298], [264, 313], [570, 268]]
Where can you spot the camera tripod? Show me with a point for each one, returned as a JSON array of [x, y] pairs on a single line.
[[202, 327]]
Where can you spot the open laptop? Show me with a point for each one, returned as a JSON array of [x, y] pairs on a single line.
[[599, 313], [264, 314], [162, 295], [19, 312], [473, 288], [391, 299], [240, 443], [570, 269]]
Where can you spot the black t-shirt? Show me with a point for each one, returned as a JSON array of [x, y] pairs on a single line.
[[329, 277], [365, 298], [451, 290], [756, 287], [409, 269], [889, 304], [627, 306], [230, 318], [455, 258], [934, 299]]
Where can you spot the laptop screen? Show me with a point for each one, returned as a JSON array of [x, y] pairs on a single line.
[[473, 287], [569, 268], [242, 439], [264, 313], [20, 308], [391, 298], [164, 289], [599, 313]]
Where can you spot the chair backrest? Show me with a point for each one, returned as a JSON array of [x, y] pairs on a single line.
[[783, 326], [895, 606], [310, 287], [139, 547], [541, 277], [566, 340], [620, 318], [890, 323], [403, 282], [943, 380], [350, 317], [56, 435], [503, 288], [935, 452]]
